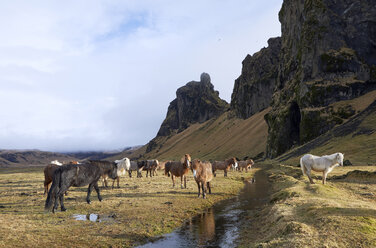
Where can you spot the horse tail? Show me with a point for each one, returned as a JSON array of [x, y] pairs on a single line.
[[56, 184], [302, 166]]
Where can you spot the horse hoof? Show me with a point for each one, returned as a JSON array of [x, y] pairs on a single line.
[[63, 209], [88, 202]]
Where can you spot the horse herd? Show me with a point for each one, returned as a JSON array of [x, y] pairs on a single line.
[[90, 172]]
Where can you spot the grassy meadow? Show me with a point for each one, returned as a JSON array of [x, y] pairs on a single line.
[[139, 211]]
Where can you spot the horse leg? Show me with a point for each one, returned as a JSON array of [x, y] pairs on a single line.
[[185, 181], [61, 198], [198, 185], [308, 172], [45, 188], [203, 190], [98, 192], [89, 189], [118, 181], [173, 180], [181, 179], [324, 174], [208, 185], [130, 173], [225, 172]]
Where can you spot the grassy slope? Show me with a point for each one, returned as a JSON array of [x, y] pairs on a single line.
[[218, 139], [143, 208], [341, 213]]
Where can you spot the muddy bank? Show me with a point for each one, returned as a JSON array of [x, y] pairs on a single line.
[[219, 225]]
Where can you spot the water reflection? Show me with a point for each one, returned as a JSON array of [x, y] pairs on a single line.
[[218, 226]]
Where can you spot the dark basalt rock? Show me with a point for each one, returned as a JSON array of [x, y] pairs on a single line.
[[196, 102], [328, 54], [254, 88]]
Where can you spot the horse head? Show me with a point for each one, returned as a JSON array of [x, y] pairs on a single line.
[[114, 172], [339, 158], [187, 160]]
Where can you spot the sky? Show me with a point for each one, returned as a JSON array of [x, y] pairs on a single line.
[[91, 75]]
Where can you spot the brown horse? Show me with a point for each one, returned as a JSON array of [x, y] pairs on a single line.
[[203, 174], [224, 165], [151, 167], [178, 169], [247, 165]]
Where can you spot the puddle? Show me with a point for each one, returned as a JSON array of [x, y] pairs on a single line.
[[94, 217], [219, 226]]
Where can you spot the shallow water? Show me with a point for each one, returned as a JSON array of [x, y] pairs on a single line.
[[92, 217], [219, 225]]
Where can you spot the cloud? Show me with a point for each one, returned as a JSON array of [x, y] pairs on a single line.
[[100, 74]]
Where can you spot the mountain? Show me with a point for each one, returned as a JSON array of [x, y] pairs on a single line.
[[18, 158], [328, 54], [196, 102]]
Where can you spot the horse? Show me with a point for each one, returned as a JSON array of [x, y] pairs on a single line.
[[133, 167], [224, 165], [203, 174], [161, 165], [123, 166], [324, 164], [151, 166], [178, 169], [245, 165], [141, 166], [78, 175]]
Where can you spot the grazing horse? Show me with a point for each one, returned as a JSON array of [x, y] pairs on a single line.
[[324, 164], [178, 169], [151, 166], [133, 167], [161, 165], [78, 176], [224, 165], [141, 166], [203, 174], [123, 166], [247, 165]]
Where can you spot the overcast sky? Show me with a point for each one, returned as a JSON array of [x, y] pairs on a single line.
[[94, 75]]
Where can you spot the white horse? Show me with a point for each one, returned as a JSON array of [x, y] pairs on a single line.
[[123, 166], [324, 164]]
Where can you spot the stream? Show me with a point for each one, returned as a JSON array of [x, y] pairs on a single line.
[[219, 225]]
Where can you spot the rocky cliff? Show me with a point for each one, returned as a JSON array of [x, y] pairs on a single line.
[[196, 102], [254, 88], [328, 54]]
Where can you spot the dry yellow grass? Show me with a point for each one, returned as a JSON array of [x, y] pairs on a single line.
[[143, 209], [341, 213], [219, 139]]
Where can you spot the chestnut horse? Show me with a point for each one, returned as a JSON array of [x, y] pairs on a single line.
[[245, 165], [178, 169], [203, 174], [224, 165]]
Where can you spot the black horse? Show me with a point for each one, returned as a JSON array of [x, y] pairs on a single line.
[[78, 176]]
